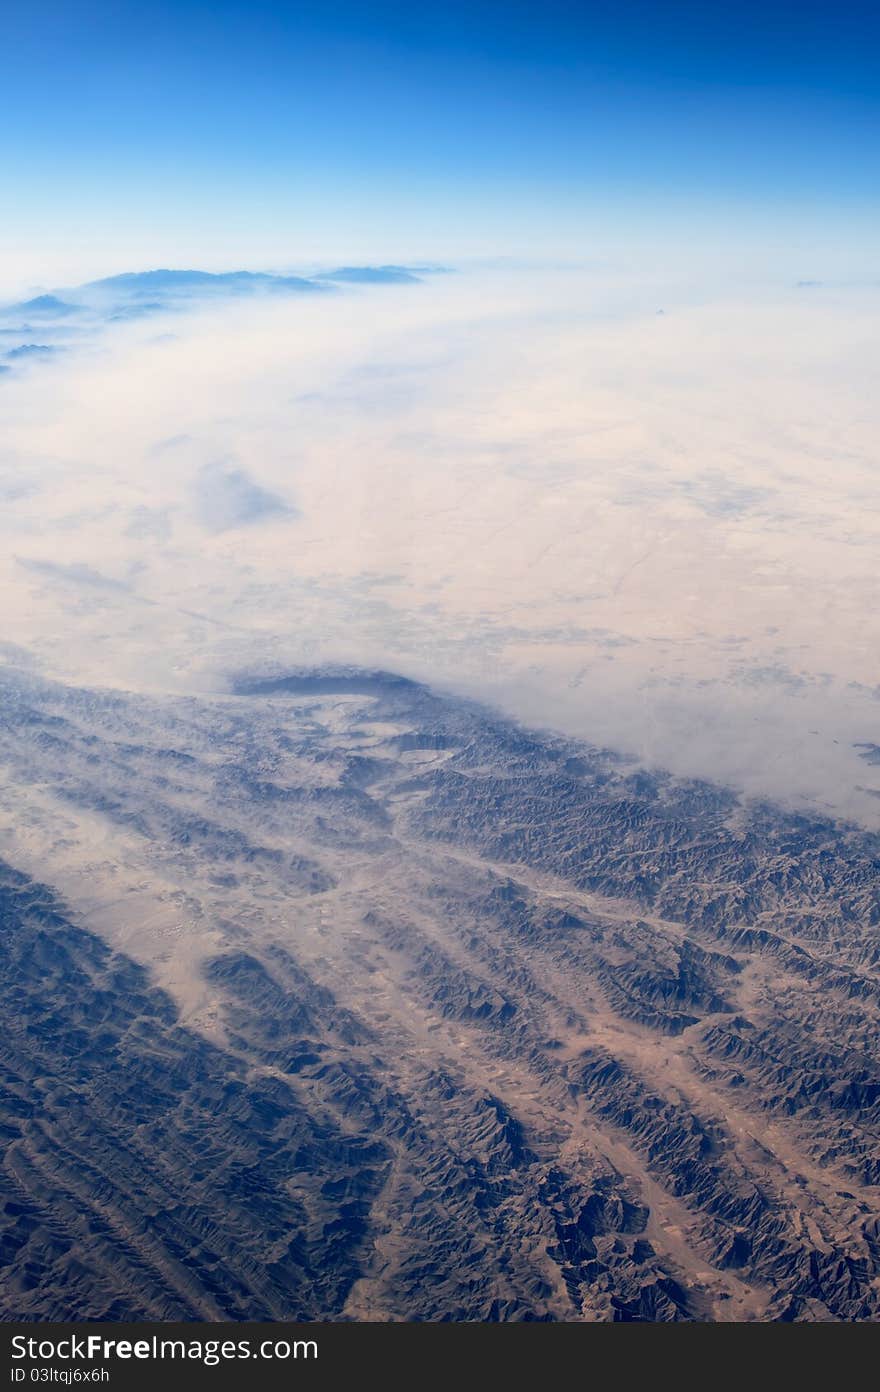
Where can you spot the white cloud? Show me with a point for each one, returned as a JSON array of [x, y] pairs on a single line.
[[657, 531]]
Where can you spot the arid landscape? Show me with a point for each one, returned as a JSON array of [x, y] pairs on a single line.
[[332, 997], [439, 673]]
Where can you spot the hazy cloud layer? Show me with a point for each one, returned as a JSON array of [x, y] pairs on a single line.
[[659, 531]]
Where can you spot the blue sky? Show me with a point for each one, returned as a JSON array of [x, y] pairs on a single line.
[[297, 130]]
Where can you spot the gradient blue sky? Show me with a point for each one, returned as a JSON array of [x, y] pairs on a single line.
[[283, 132]]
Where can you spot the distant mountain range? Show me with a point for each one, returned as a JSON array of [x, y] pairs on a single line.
[[166, 287], [31, 350], [138, 282], [138, 294], [372, 275], [44, 305]]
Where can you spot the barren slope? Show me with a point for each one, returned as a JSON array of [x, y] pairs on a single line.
[[332, 998]]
